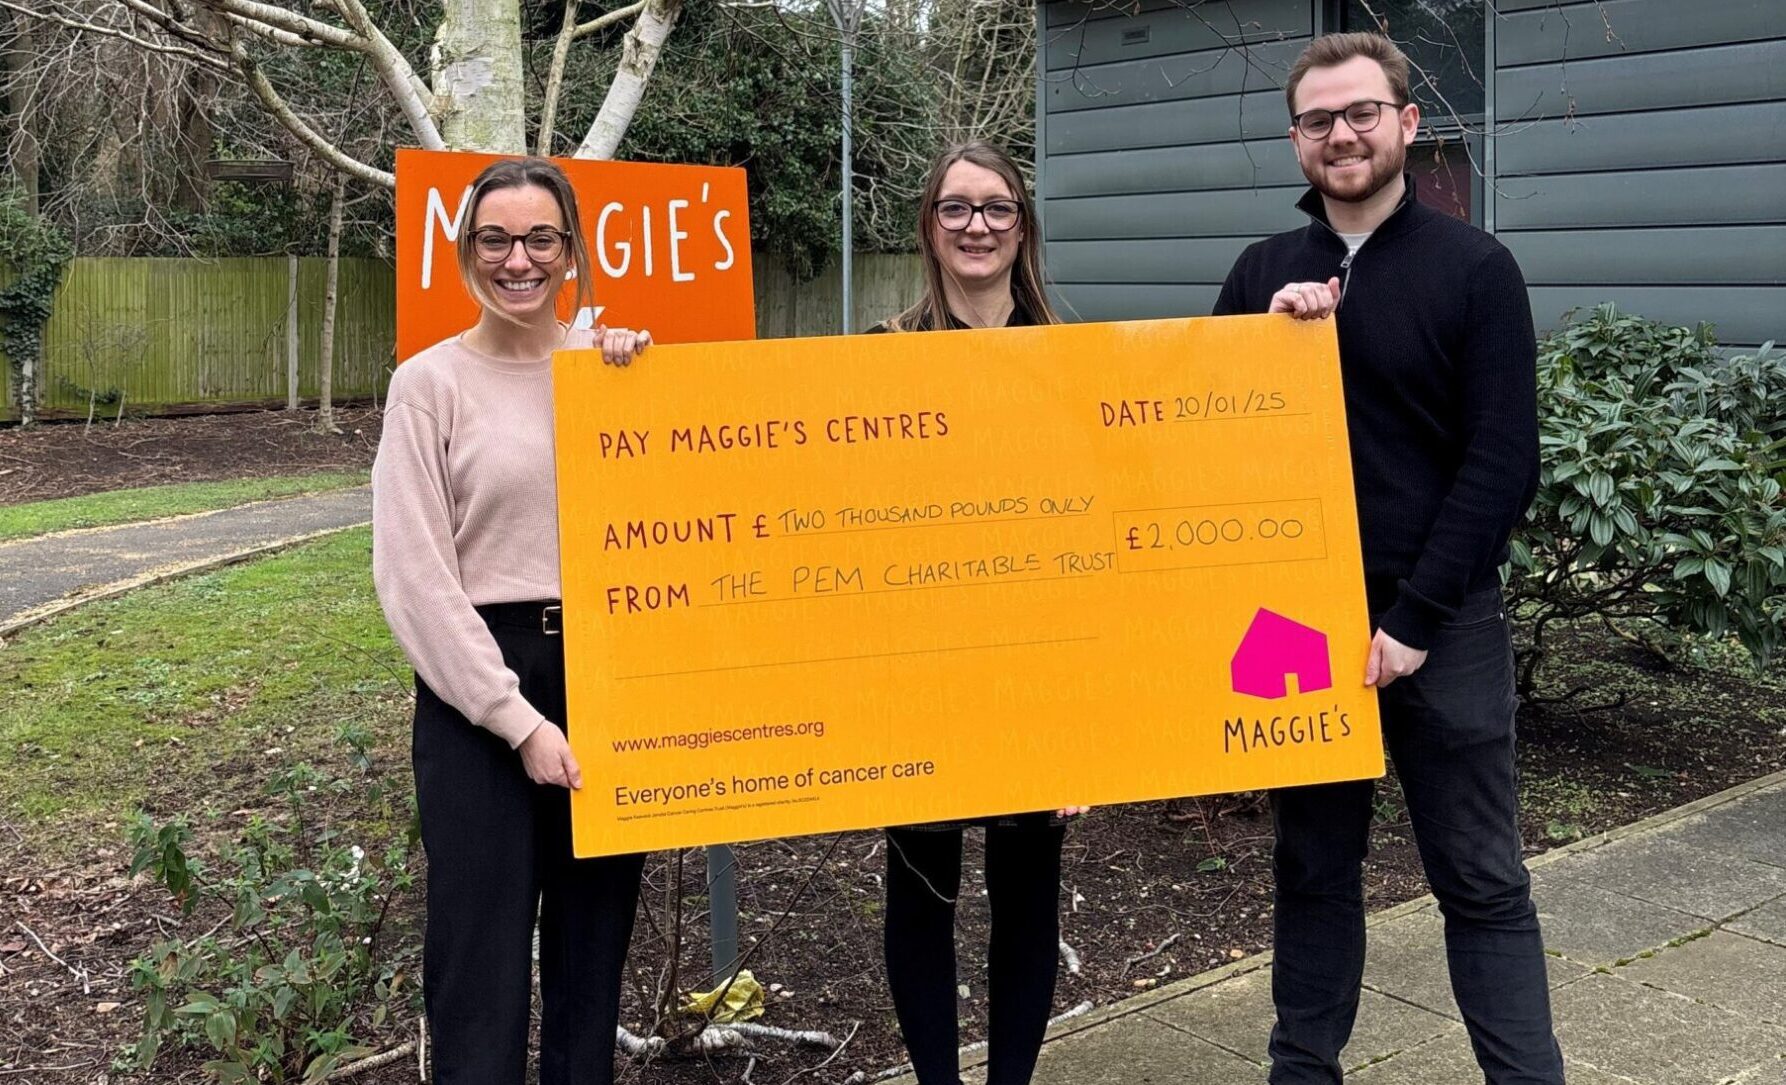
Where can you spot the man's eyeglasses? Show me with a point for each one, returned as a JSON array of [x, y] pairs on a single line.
[[542, 244], [999, 215], [1361, 117]]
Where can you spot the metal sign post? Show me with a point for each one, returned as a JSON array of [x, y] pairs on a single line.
[[722, 863], [722, 908], [847, 14]]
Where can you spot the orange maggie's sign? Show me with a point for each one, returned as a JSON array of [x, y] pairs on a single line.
[[670, 247]]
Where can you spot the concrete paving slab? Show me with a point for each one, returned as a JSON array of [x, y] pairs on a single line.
[[1754, 828], [1681, 871], [1659, 1038], [1581, 1074], [1449, 1060], [1773, 1073], [1767, 922], [1405, 958], [1137, 1050], [1597, 927], [1709, 1018], [1125, 1048], [1446, 1057], [1742, 975], [1238, 1015]]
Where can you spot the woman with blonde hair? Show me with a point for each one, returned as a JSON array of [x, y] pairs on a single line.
[[982, 269], [465, 559]]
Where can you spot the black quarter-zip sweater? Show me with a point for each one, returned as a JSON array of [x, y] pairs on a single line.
[[1439, 361]]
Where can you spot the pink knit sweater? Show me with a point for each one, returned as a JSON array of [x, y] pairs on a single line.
[[465, 512]]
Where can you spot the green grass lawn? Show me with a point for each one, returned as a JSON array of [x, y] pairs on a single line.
[[152, 502], [186, 697]]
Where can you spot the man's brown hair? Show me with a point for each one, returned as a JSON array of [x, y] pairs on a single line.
[[1331, 50]]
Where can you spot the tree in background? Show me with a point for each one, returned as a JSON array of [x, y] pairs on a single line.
[[474, 94], [137, 96], [129, 109], [18, 137], [94, 125], [757, 85], [36, 253], [121, 112]]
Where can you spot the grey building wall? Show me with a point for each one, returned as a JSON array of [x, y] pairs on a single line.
[[1161, 151], [1636, 152], [1646, 166]]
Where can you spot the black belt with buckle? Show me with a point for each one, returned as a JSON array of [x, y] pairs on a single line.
[[544, 617]]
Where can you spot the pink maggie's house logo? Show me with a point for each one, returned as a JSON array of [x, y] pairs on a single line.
[[1273, 649]]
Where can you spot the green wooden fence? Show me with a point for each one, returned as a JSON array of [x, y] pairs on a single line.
[[164, 334], [882, 285], [170, 335]]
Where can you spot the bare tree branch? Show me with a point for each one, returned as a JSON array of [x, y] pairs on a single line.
[[272, 33], [638, 57], [561, 51], [607, 19], [410, 91], [288, 20], [269, 97], [113, 32], [176, 26]]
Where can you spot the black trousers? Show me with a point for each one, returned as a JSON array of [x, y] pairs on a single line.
[[1449, 729], [499, 853], [1023, 887]]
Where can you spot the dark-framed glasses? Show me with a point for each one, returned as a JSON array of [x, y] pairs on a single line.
[[999, 215], [542, 244], [1360, 117]]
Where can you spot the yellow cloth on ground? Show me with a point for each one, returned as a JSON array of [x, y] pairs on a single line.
[[743, 1001]]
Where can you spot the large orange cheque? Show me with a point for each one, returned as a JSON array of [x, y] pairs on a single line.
[[824, 584]]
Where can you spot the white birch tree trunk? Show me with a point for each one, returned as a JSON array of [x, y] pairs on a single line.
[[325, 362], [639, 56], [478, 90], [25, 390]]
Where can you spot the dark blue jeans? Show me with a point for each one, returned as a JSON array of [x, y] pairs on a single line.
[[1449, 729]]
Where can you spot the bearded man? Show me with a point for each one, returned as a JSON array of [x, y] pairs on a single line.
[[1438, 362]]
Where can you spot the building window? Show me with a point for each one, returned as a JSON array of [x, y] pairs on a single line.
[[1443, 178], [1447, 46], [1445, 41]]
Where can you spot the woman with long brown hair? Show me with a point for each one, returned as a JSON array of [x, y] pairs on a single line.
[[982, 259], [982, 269], [465, 559]]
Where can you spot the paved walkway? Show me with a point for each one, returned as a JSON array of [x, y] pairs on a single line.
[[44, 575], [1668, 967]]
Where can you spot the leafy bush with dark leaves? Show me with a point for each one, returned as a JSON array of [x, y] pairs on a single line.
[[1660, 498]]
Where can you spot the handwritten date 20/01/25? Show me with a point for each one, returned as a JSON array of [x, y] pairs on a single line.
[[1192, 408]]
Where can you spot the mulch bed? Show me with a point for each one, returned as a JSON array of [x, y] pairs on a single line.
[[1142, 902], [69, 459], [1136, 908]]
